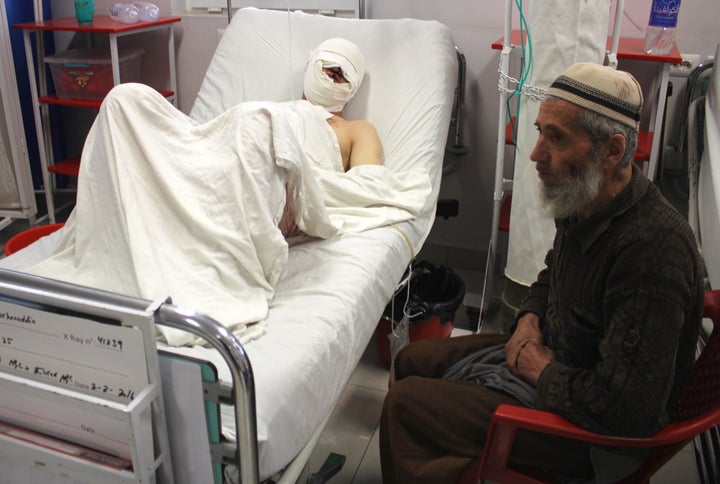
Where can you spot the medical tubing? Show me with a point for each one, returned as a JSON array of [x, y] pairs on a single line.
[[406, 281], [398, 288], [525, 68], [298, 118], [289, 17], [410, 316]]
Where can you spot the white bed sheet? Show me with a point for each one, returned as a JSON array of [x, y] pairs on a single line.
[[325, 312], [332, 292]]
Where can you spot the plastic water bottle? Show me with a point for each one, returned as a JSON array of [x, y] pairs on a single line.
[[126, 13], [149, 12], [660, 33]]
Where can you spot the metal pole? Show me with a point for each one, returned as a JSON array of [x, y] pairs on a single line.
[[499, 157]]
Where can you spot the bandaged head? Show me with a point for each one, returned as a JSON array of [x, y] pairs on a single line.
[[321, 89], [601, 89]]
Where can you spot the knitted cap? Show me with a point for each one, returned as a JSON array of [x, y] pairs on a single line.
[[601, 89]]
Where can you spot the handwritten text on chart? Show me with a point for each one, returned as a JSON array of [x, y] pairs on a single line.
[[99, 341], [81, 356], [54, 376], [94, 358]]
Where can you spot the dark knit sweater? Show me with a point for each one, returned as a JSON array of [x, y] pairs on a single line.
[[621, 303]]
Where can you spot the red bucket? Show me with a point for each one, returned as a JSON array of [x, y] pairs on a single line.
[[430, 328], [27, 237]]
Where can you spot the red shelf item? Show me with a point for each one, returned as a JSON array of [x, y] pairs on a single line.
[[70, 167], [628, 48], [642, 153], [504, 222], [509, 138], [100, 24], [644, 146], [124, 67], [84, 103]]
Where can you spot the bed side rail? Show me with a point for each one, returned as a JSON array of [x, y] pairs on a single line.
[[243, 391]]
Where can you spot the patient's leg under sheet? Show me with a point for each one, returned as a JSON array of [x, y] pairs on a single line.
[[562, 33], [169, 207]]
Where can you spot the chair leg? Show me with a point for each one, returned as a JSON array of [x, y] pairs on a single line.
[[706, 447], [698, 454], [715, 464]]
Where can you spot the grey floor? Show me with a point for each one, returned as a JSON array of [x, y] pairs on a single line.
[[352, 429]]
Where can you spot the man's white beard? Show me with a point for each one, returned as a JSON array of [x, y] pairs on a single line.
[[577, 191]]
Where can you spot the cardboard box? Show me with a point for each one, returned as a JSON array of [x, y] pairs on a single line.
[[87, 73]]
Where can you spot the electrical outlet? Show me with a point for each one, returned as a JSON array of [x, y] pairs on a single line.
[[684, 68]]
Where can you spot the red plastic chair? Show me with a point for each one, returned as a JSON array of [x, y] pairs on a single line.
[[697, 412]]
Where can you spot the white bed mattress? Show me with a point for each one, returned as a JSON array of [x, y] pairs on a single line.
[[332, 292], [326, 309]]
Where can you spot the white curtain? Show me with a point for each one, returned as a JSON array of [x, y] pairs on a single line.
[[709, 181], [9, 195], [562, 34]]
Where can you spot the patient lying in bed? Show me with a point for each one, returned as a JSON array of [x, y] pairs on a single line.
[[333, 74], [167, 206]]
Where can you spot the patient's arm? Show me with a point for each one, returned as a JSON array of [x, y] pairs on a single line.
[[366, 148], [359, 142]]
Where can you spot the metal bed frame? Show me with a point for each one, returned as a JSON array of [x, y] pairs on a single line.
[[36, 290]]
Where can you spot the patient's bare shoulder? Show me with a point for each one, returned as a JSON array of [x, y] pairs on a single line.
[[359, 142]]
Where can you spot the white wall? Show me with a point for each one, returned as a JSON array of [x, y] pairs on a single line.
[[475, 25]]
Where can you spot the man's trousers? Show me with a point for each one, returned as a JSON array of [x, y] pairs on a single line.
[[431, 428]]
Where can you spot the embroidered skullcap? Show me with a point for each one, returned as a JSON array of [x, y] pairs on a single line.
[[601, 89]]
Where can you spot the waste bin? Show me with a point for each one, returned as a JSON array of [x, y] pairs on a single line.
[[436, 293], [27, 237]]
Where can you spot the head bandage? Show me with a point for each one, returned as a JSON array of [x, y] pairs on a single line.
[[601, 89], [319, 88]]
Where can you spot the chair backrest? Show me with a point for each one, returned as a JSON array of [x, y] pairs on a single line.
[[703, 390]]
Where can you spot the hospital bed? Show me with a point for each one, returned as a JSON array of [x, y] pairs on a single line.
[[699, 139], [332, 292]]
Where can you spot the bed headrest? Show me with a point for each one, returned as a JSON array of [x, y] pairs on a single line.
[[411, 71]]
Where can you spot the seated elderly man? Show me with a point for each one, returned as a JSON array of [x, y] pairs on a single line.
[[606, 335]]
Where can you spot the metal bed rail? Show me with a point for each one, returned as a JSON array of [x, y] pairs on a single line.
[[84, 300]]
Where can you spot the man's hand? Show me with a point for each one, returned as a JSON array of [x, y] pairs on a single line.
[[528, 329], [525, 351], [531, 361]]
